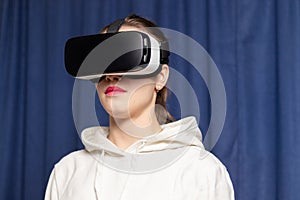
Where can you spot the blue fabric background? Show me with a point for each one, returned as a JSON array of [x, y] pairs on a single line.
[[255, 44]]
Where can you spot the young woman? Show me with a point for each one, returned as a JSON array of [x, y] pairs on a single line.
[[144, 153]]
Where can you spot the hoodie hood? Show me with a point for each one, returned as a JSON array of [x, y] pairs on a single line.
[[148, 154], [182, 133]]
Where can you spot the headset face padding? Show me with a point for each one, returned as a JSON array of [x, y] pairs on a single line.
[[131, 53]]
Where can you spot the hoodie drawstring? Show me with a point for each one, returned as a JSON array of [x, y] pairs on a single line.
[[99, 175]]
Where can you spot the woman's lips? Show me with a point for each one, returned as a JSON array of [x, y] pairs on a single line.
[[113, 90]]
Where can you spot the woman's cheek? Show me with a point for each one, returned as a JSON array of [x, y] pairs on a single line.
[[141, 99]]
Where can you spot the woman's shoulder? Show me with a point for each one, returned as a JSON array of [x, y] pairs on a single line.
[[75, 155], [74, 160], [204, 160], [207, 173], [71, 170], [203, 167]]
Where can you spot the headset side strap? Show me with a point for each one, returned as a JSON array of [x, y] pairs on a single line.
[[115, 26]]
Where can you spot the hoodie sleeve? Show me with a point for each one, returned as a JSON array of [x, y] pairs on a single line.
[[220, 186], [204, 179], [51, 191]]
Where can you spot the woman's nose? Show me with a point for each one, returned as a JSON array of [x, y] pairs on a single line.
[[113, 77]]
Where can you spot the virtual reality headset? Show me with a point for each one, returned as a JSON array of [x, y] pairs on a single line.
[[130, 53]]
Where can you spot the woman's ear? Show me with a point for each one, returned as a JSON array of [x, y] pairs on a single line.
[[162, 77]]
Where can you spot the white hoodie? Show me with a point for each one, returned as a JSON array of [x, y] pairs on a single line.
[[170, 165]]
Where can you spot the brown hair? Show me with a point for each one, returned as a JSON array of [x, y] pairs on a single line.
[[163, 116]]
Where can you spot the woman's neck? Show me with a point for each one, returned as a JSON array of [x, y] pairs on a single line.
[[125, 132]]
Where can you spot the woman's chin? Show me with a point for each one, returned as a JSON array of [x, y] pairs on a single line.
[[119, 115]]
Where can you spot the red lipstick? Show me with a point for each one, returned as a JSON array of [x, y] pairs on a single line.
[[113, 90]]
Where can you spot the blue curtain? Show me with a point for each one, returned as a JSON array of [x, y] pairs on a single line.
[[255, 44]]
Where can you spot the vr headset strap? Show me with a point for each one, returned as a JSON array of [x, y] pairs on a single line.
[[164, 52], [115, 26]]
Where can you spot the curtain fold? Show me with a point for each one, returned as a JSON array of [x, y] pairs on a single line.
[[255, 45]]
